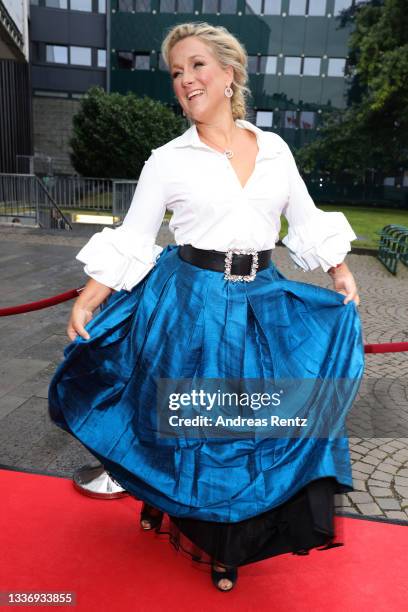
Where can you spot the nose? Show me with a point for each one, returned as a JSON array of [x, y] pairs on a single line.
[[187, 78]]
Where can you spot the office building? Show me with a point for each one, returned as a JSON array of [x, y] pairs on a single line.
[[297, 59]]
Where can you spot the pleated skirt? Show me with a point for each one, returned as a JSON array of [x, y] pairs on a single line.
[[240, 497]]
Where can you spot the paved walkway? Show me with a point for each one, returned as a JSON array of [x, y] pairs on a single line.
[[37, 264]]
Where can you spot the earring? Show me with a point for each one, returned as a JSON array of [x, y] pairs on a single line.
[[228, 91]]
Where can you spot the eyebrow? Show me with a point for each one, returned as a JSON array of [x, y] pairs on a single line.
[[191, 57]]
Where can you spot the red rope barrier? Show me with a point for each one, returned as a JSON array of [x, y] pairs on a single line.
[[386, 347], [51, 301]]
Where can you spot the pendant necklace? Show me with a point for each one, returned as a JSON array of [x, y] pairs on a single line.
[[227, 152]]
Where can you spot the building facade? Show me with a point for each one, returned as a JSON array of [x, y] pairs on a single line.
[[16, 141], [297, 55], [297, 59], [68, 42]]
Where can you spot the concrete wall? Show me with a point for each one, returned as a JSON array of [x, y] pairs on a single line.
[[14, 29], [52, 130]]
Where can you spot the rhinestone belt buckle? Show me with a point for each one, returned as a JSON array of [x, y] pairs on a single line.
[[239, 277]]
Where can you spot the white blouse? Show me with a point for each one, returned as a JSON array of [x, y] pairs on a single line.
[[211, 210]]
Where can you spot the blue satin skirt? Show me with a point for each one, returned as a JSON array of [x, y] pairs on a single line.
[[182, 321]]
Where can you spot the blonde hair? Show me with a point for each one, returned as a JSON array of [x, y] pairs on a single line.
[[226, 49]]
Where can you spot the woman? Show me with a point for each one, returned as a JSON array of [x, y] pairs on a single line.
[[184, 312]]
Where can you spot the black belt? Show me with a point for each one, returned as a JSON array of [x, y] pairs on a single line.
[[237, 264]]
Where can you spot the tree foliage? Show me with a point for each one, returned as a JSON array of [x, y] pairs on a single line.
[[113, 134], [371, 135]]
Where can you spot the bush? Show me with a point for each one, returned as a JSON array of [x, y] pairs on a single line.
[[113, 134]]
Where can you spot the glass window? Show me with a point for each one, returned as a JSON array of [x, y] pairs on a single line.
[[125, 59], [307, 120], [167, 6], [142, 62], [228, 7], [268, 64], [253, 7], [311, 66], [272, 7], [264, 119], [292, 65], [162, 63], [297, 7], [185, 6], [142, 6], [252, 63], [317, 7], [81, 56], [389, 181], [339, 5], [56, 54], [102, 58], [62, 4], [81, 5], [34, 2], [290, 119], [101, 6], [336, 67], [210, 6], [126, 6]]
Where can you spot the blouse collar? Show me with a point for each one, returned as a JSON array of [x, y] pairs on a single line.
[[268, 148]]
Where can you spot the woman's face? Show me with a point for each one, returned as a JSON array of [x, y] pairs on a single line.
[[192, 67]]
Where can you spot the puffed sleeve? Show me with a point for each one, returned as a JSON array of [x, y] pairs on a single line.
[[120, 258], [315, 237]]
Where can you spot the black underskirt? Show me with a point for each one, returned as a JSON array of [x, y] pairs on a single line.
[[304, 522]]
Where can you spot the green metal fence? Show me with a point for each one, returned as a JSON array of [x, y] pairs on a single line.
[[393, 246]]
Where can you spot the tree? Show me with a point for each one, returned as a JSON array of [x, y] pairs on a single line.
[[113, 134], [371, 135]]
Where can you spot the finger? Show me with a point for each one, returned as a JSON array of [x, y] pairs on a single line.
[[71, 332], [79, 330], [350, 297], [82, 332]]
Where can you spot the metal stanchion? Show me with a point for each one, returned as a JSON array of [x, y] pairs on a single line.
[[95, 481]]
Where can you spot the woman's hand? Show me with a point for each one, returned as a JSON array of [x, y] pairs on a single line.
[[80, 316], [344, 283], [91, 296]]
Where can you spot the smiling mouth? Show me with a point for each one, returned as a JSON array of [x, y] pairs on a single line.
[[199, 95]]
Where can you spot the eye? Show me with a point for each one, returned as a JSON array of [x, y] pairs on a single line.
[[195, 64]]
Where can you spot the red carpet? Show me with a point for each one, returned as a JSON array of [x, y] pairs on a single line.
[[55, 539]]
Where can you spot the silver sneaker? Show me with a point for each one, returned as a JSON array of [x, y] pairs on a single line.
[[95, 481]]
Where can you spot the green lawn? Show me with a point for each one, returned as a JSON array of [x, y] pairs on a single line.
[[364, 220]]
